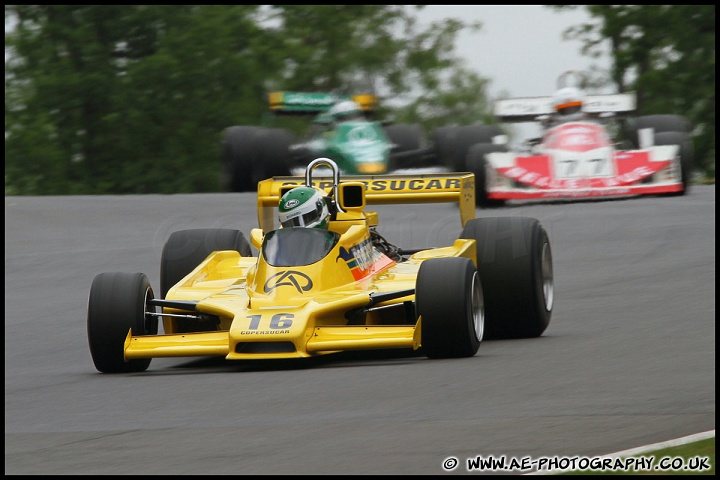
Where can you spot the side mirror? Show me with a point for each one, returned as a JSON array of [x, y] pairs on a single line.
[[351, 196]]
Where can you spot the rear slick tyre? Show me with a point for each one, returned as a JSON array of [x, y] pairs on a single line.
[[514, 260], [239, 155], [185, 249]]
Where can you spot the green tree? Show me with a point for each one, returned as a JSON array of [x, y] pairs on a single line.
[[666, 53], [133, 98], [122, 98]]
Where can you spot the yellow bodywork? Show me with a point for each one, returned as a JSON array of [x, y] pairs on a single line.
[[261, 311], [380, 189]]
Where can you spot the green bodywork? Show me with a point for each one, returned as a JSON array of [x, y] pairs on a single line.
[[358, 147]]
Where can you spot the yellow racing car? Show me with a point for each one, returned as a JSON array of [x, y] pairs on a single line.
[[316, 291]]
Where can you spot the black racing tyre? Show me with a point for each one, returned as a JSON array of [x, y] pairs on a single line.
[[454, 143], [185, 249], [477, 164], [240, 148], [686, 155], [118, 303], [407, 138], [449, 300], [659, 123], [273, 159], [514, 261], [442, 140], [482, 133]]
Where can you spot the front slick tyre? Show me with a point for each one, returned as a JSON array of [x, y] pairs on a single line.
[[449, 300], [477, 164], [682, 140], [118, 303], [515, 264]]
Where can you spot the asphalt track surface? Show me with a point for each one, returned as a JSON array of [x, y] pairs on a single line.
[[628, 359]]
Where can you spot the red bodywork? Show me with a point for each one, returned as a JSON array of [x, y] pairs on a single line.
[[578, 160]]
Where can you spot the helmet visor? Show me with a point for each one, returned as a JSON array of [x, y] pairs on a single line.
[[306, 219], [569, 108]]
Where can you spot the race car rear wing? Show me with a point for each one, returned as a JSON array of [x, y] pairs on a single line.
[[458, 187], [294, 103], [528, 109]]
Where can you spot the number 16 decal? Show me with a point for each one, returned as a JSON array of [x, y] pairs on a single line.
[[279, 321]]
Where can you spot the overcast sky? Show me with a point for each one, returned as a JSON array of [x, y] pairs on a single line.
[[519, 47]]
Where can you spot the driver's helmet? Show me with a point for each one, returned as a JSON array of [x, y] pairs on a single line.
[[304, 207], [568, 102], [345, 110]]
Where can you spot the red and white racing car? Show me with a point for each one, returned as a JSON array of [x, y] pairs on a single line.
[[579, 159]]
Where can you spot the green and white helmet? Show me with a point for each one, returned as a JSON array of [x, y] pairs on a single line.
[[345, 110], [304, 207]]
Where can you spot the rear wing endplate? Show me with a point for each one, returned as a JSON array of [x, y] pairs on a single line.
[[311, 103], [527, 109], [458, 187]]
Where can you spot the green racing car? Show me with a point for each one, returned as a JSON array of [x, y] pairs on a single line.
[[344, 130]]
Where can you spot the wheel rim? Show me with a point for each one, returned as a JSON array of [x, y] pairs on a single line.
[[547, 277], [147, 309], [478, 308]]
